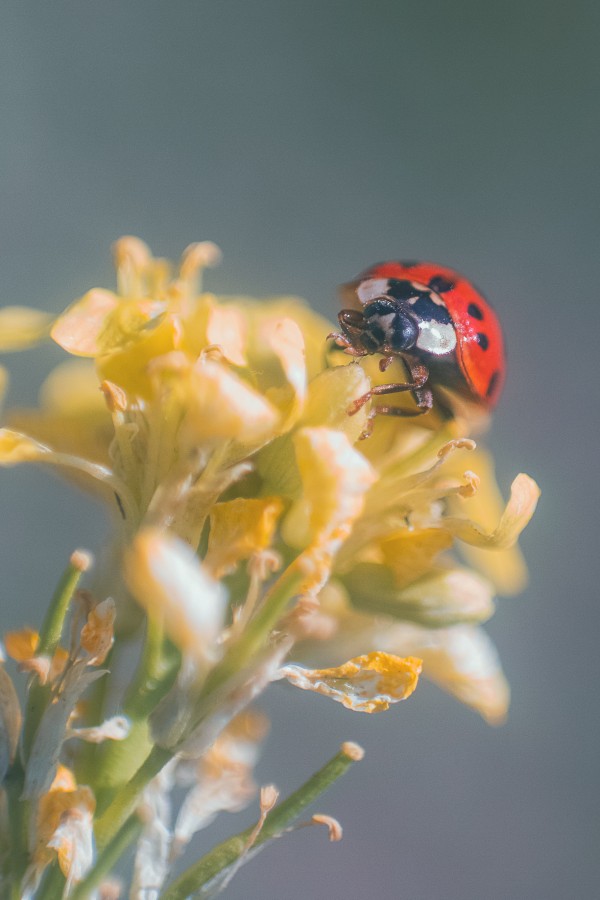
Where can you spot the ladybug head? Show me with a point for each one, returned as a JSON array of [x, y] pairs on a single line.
[[389, 323]]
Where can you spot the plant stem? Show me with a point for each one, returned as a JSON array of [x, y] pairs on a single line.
[[117, 761], [50, 633], [230, 851], [17, 812], [53, 883], [108, 857], [108, 824]]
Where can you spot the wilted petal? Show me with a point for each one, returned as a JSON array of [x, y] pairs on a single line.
[[221, 780], [152, 861], [73, 841], [21, 645], [22, 327], [524, 495], [463, 661], [166, 578], [97, 634], [59, 806], [238, 529], [367, 683], [115, 729]]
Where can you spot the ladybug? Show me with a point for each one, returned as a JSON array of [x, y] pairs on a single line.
[[437, 322]]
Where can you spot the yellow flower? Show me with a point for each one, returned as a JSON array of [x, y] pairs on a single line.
[[222, 424]]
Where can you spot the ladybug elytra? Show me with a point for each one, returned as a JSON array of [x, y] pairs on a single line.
[[437, 322]]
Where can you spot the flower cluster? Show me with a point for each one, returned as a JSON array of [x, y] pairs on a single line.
[[255, 535]]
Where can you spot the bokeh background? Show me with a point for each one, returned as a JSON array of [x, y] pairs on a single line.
[[310, 139]]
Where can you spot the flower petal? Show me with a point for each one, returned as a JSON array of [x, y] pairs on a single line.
[[443, 597], [335, 478], [367, 683], [80, 329], [524, 495], [284, 340], [226, 329], [219, 405], [410, 552], [463, 661], [17, 448], [166, 578], [22, 327], [238, 529], [329, 396]]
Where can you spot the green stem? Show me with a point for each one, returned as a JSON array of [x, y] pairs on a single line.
[[116, 812], [108, 824], [108, 857], [257, 630], [52, 627], [17, 813], [53, 884], [230, 851], [50, 633], [117, 761]]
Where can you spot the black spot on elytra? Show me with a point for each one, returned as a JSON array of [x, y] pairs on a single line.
[[440, 285], [491, 388], [429, 311], [482, 340], [475, 311], [408, 263]]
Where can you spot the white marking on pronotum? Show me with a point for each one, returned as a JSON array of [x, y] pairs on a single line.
[[371, 289], [436, 338]]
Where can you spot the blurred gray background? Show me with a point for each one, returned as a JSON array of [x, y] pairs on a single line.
[[310, 139]]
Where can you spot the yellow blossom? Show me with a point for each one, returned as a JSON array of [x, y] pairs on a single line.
[[225, 422]]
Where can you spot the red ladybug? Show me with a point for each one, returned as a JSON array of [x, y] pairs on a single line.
[[439, 324]]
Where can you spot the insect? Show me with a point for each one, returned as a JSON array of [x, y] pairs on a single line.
[[437, 322]]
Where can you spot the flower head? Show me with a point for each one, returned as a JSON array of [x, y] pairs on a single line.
[[224, 422]]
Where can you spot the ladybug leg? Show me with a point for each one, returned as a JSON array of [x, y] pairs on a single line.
[[385, 362], [346, 344], [419, 373], [424, 400]]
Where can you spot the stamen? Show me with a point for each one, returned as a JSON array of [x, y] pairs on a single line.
[[132, 258], [195, 258]]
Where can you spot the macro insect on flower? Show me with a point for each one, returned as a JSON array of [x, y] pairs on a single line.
[[437, 322], [254, 538]]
